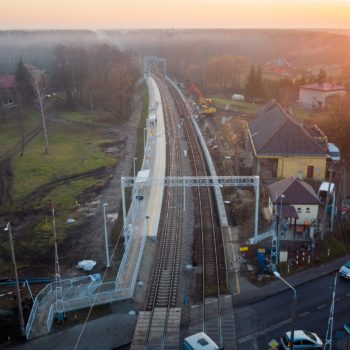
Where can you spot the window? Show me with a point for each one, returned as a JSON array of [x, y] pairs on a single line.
[[298, 210], [308, 210], [297, 342], [307, 342], [202, 342]]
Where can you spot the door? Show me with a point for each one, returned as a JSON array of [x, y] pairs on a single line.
[[310, 172]]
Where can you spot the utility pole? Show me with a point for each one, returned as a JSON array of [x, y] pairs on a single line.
[[106, 235], [19, 302], [58, 281], [326, 203], [328, 341]]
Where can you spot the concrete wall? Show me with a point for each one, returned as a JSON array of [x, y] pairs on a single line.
[[316, 98], [297, 166]]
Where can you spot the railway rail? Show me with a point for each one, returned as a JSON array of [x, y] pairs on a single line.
[[208, 253], [164, 284]]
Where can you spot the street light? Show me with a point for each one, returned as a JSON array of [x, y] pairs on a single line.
[[294, 307], [106, 236], [147, 218], [144, 139], [134, 167], [19, 302], [279, 229]]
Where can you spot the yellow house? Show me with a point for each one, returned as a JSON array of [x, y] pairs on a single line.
[[286, 145]]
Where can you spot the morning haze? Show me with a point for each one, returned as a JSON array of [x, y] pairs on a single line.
[[174, 174]]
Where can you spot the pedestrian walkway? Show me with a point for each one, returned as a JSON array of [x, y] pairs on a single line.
[[143, 218], [253, 293]]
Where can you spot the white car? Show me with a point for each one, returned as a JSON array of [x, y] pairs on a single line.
[[302, 340], [345, 271]]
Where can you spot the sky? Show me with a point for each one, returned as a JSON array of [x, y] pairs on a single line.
[[105, 14]]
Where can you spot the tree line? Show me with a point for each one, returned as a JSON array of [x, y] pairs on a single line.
[[98, 78]]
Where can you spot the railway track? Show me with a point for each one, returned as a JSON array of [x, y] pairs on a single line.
[[162, 296], [207, 242], [157, 322]]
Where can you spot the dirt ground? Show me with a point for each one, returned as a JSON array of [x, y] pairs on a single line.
[[85, 240], [225, 137]]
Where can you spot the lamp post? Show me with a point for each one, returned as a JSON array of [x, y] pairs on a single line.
[[144, 139], [147, 218], [134, 166], [19, 302], [294, 307], [106, 236], [279, 229]]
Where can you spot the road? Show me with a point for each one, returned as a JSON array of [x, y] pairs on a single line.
[[260, 322]]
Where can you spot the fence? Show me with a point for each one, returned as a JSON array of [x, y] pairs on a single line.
[[50, 317]]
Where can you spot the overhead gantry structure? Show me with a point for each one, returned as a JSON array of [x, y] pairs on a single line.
[[155, 64], [194, 181]]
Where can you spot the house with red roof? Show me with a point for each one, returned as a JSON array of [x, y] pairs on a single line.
[[7, 90], [315, 95]]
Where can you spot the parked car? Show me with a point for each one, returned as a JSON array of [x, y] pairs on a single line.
[[302, 340], [344, 271], [333, 152]]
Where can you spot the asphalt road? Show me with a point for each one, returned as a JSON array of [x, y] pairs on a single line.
[[259, 323]]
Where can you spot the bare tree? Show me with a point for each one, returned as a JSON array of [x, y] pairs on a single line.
[[39, 86]]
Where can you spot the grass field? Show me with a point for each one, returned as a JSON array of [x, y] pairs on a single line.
[[88, 118], [72, 150], [11, 128], [238, 106]]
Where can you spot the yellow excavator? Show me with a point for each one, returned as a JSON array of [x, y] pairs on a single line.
[[204, 103]]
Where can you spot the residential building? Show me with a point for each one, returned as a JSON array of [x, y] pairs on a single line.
[[315, 95], [295, 200], [7, 90], [285, 145]]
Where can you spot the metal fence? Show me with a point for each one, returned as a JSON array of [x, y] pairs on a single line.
[[50, 317]]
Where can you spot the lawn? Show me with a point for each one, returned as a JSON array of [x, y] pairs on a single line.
[[239, 106], [72, 150], [11, 129], [309, 116], [88, 118]]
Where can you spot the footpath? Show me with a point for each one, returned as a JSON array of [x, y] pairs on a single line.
[[250, 293]]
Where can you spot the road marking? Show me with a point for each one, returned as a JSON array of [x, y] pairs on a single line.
[[348, 295], [304, 314], [264, 331], [321, 306]]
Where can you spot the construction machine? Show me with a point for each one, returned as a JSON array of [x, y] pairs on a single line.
[[204, 103]]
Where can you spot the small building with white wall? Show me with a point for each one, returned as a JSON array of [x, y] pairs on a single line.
[[295, 199], [315, 95]]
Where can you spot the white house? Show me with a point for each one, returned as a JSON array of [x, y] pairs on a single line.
[[315, 95], [295, 199]]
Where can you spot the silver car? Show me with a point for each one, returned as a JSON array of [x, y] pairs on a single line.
[[345, 270], [302, 340]]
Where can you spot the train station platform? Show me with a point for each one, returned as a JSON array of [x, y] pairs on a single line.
[[143, 217]]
